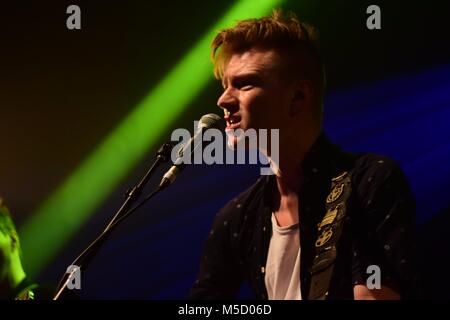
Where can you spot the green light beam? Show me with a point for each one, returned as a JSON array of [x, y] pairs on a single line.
[[50, 227]]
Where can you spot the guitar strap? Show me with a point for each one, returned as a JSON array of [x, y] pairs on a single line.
[[329, 233]]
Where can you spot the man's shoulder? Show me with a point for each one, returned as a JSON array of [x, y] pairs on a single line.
[[371, 167], [370, 160], [381, 185]]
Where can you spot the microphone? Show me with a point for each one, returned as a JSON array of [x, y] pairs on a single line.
[[207, 121]]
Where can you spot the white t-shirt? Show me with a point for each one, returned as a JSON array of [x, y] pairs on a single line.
[[282, 272]]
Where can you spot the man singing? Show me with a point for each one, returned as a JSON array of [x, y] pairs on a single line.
[[328, 224]]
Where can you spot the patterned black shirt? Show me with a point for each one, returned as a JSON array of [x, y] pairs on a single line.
[[378, 229]]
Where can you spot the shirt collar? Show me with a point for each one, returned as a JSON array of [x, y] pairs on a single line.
[[321, 157], [319, 163]]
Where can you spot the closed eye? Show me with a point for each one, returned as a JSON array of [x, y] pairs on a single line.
[[246, 87], [245, 82]]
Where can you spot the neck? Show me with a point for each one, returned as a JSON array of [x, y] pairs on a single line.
[[292, 151]]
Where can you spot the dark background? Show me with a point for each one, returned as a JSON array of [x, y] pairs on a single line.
[[62, 92]]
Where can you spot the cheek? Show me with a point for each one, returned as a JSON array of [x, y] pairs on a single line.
[[255, 103], [264, 110]]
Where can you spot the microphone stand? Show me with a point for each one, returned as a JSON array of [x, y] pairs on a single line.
[[163, 155]]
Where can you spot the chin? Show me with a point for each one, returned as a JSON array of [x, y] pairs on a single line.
[[232, 141], [236, 140]]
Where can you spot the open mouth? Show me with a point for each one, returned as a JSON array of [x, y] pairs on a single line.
[[233, 122]]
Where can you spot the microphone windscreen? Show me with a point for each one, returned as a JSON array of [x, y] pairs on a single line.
[[210, 120]]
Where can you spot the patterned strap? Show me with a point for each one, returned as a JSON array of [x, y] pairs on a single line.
[[329, 232]]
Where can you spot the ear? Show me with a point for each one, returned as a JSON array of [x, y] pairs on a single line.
[[300, 97], [297, 102]]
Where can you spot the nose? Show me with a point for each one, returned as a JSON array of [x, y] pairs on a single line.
[[228, 101]]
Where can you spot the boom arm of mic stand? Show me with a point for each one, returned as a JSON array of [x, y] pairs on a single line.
[[163, 154]]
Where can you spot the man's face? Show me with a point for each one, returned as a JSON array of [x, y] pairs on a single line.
[[254, 95]]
